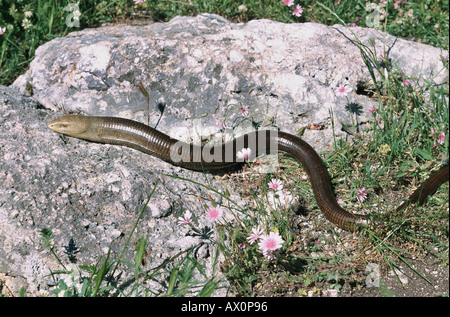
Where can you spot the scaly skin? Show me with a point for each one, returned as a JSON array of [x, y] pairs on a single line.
[[136, 135]]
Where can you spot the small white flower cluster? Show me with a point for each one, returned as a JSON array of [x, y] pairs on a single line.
[[279, 197]]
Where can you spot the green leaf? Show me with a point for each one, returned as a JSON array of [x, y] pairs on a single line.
[[62, 285], [172, 281], [84, 288], [140, 252], [101, 273], [209, 288], [424, 154]]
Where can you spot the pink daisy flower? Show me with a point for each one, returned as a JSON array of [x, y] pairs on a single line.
[[298, 11], [288, 2], [255, 235], [214, 213], [186, 219], [342, 91], [276, 184], [244, 110], [244, 154], [362, 194], [269, 243]]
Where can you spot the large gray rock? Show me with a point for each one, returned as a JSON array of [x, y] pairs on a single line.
[[195, 69], [198, 67], [90, 193]]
